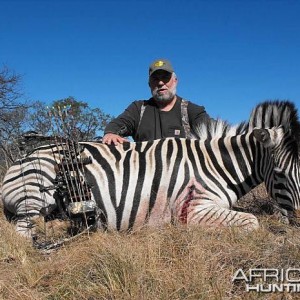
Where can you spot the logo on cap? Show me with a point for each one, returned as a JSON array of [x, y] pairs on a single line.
[[159, 63]]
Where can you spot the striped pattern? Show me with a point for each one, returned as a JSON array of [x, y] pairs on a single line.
[[282, 175], [172, 180], [21, 194]]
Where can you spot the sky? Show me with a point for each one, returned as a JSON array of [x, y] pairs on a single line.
[[228, 55]]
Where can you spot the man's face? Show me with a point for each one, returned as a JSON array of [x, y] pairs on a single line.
[[163, 85]]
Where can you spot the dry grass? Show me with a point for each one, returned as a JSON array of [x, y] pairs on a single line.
[[169, 263]]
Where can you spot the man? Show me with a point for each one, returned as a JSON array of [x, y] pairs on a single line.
[[164, 115]]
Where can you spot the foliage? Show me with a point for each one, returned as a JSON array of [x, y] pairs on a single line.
[[9, 89], [70, 118], [13, 114]]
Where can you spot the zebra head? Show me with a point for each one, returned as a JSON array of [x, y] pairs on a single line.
[[282, 141], [282, 164]]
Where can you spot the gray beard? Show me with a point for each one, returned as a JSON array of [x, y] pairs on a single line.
[[164, 98]]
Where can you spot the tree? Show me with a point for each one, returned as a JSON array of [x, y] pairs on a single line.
[[12, 115], [9, 89], [69, 117]]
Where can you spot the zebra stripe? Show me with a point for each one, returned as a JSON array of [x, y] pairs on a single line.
[[174, 180]]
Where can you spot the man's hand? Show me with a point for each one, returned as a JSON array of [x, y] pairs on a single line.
[[113, 138]]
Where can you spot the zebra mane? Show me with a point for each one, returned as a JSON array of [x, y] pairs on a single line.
[[218, 128], [270, 114], [267, 114]]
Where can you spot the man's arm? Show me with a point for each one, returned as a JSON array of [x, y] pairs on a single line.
[[197, 114], [124, 125]]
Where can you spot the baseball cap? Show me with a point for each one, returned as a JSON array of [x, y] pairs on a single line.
[[160, 64]]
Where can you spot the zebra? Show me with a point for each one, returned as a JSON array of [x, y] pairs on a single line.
[[172, 180]]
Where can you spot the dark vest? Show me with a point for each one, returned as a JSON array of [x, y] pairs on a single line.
[[184, 118]]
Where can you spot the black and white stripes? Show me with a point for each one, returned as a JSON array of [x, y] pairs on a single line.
[[174, 180]]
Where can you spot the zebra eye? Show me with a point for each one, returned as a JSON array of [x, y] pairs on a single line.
[[279, 173], [278, 170]]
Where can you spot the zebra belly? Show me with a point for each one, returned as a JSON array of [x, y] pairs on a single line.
[[159, 215], [133, 214]]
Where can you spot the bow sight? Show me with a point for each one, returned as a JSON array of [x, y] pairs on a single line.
[[72, 193]]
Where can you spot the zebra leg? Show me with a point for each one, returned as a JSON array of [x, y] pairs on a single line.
[[193, 206], [25, 226], [213, 215]]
